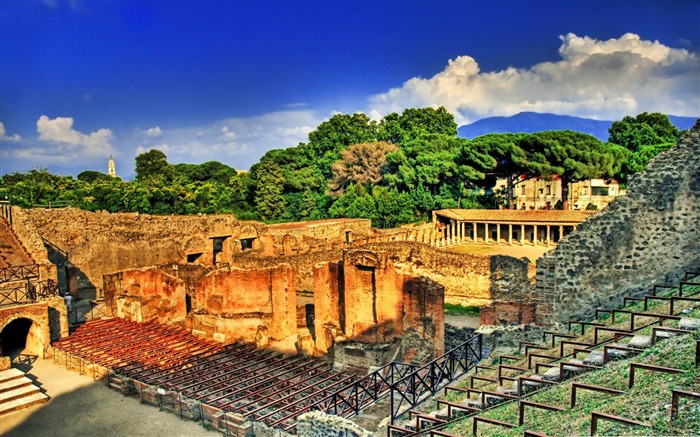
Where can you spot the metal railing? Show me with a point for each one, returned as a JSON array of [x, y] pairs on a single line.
[[428, 379], [407, 384], [351, 399], [29, 292], [19, 273]]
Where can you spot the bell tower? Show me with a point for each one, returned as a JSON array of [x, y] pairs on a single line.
[[111, 170]]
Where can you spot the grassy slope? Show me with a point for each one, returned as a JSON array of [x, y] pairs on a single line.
[[648, 401]]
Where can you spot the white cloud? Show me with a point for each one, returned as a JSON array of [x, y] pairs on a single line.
[[9, 138], [154, 132], [595, 79], [238, 142], [66, 143]]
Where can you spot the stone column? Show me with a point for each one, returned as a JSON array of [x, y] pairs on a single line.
[[486, 233], [534, 235], [498, 233], [522, 235], [473, 232], [561, 233], [510, 234]]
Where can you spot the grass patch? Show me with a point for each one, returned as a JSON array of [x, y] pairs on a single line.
[[461, 310]]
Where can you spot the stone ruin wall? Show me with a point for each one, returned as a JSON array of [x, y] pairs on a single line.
[[99, 243], [146, 295], [367, 312], [227, 304], [651, 236], [468, 279]]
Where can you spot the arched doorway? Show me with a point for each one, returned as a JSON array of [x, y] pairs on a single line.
[[21, 336]]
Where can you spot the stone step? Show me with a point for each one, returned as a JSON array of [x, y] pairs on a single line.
[[14, 383], [10, 374], [553, 374], [529, 386], [616, 354], [595, 358], [640, 341], [18, 392], [690, 324], [22, 403]]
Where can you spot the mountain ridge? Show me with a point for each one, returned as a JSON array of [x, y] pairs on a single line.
[[530, 122]]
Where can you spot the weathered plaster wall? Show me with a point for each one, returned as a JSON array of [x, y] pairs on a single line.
[[248, 304], [651, 236], [145, 295], [364, 308]]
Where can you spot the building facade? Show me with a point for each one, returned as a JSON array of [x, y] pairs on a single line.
[[538, 193]]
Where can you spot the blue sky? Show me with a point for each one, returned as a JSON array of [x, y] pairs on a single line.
[[227, 80]]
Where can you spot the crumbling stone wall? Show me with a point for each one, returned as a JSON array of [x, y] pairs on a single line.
[[319, 424], [144, 295], [506, 313], [249, 304], [651, 236], [94, 243], [364, 308], [226, 304], [468, 279]]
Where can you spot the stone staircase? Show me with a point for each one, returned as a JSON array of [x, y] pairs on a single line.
[[12, 252], [18, 392]]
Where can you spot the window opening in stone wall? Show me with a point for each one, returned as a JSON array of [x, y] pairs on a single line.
[[218, 247], [347, 237], [548, 190], [192, 257], [188, 303], [522, 190], [247, 243], [599, 191]]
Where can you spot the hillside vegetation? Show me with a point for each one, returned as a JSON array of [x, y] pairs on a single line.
[[394, 171]]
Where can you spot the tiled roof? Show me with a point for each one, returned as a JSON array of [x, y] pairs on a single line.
[[515, 215]]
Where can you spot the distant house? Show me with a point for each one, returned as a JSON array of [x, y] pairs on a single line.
[[538, 193]]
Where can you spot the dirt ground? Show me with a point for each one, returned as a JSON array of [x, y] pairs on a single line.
[[516, 250], [80, 406]]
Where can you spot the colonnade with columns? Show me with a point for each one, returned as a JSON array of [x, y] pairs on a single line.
[[459, 232]]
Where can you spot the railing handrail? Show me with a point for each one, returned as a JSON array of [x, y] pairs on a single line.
[[19, 273], [29, 292], [385, 381]]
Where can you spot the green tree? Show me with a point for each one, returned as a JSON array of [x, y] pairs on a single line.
[[335, 134], [91, 176], [643, 130], [153, 167], [445, 166], [416, 122], [269, 194], [511, 160]]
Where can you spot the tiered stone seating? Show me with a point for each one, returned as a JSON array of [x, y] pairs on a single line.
[[574, 356]]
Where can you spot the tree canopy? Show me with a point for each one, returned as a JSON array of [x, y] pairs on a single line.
[[395, 170]]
